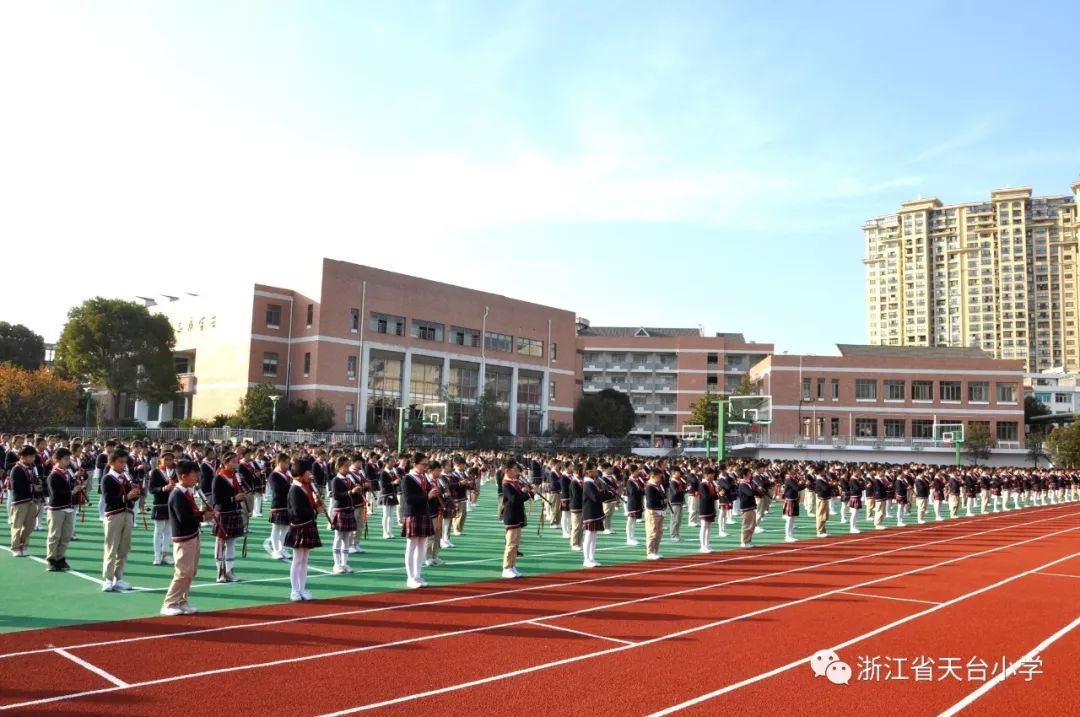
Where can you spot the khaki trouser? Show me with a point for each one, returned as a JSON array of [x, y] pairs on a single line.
[[984, 500], [693, 517], [676, 520], [433, 543], [654, 528], [954, 504], [513, 540], [763, 504], [879, 512], [575, 528], [822, 514], [186, 559], [920, 508], [808, 500], [609, 510], [553, 508], [117, 544], [61, 528], [749, 522], [459, 517], [22, 518]]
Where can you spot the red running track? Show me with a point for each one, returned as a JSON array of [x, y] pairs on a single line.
[[699, 634]]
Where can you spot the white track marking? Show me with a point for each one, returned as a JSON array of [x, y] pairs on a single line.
[[93, 668], [535, 668], [578, 632], [75, 573], [1061, 575], [866, 635], [682, 633], [1011, 669], [748, 555], [890, 597]]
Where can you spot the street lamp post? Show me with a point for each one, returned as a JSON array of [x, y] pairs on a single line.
[[273, 421], [400, 428]]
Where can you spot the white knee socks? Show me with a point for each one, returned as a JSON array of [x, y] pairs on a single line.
[[298, 569]]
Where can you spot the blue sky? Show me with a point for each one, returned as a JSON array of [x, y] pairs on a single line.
[[675, 163]]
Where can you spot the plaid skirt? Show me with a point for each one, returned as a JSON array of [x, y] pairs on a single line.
[[593, 526], [855, 501], [417, 526], [303, 536], [791, 507], [279, 516], [344, 520], [229, 525]]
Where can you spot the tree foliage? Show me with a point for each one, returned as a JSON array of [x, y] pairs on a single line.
[[1033, 407], [120, 346], [488, 421], [256, 409], [20, 346], [1064, 445], [705, 412], [608, 413], [978, 441], [30, 400]]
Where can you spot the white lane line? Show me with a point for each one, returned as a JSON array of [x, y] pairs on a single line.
[[1061, 575], [578, 632], [885, 628], [75, 573], [467, 631], [890, 597], [93, 668], [694, 564], [1011, 669]]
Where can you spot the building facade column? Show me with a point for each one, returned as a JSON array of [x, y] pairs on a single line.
[[513, 400], [545, 396], [406, 377], [362, 377], [444, 377]]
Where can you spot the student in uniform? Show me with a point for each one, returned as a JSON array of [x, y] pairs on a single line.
[[161, 483], [725, 497], [303, 535], [922, 495], [901, 492], [592, 515], [228, 497], [515, 493], [437, 509], [184, 519], [856, 485], [389, 481], [655, 502], [120, 498], [706, 508], [417, 527], [676, 495], [635, 506], [576, 492], [747, 496], [343, 515], [564, 500], [22, 513], [790, 494], [610, 485], [278, 485], [823, 491], [61, 511]]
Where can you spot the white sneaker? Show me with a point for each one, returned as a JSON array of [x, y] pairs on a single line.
[[438, 561], [606, 532], [108, 586], [588, 564], [823, 535], [423, 583], [758, 530], [295, 596], [566, 536], [746, 545], [168, 561], [121, 585], [653, 556], [189, 609], [353, 549], [676, 539], [306, 595], [854, 531], [359, 550], [576, 548], [632, 542], [171, 611], [445, 544], [413, 584], [278, 555], [456, 532], [722, 533], [879, 527], [790, 539], [508, 573], [158, 561], [518, 572], [704, 550], [339, 570]]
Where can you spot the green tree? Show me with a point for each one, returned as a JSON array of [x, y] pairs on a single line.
[[120, 346], [303, 416], [1064, 445], [978, 441], [705, 412], [21, 346], [256, 409], [488, 420], [1036, 446], [32, 400], [608, 413], [747, 387]]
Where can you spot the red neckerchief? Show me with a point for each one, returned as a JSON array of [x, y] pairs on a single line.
[[124, 485], [232, 479], [191, 499], [422, 480], [308, 491]]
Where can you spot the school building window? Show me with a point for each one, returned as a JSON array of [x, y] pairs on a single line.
[[464, 337], [1006, 392], [530, 347], [821, 389], [427, 330], [273, 316], [978, 391], [1007, 431], [894, 390], [310, 315], [349, 410], [834, 426], [894, 428], [866, 427], [498, 342], [950, 390], [922, 390], [554, 351], [388, 324], [836, 392], [307, 363], [350, 367], [806, 389], [354, 320], [270, 363], [866, 390], [922, 428]]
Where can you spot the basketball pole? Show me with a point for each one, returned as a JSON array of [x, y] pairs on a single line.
[[957, 445], [721, 439]]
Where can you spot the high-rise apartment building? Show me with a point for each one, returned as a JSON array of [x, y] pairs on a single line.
[[999, 275]]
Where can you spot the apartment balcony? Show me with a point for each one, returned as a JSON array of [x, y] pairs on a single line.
[[187, 382]]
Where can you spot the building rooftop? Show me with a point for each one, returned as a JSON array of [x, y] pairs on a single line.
[[943, 352], [641, 332]]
